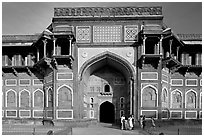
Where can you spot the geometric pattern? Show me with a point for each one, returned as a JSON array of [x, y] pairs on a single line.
[[107, 33], [131, 33], [83, 34]]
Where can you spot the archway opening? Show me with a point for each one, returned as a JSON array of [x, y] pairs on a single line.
[[107, 112]]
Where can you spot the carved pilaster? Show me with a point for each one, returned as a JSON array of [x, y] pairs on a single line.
[[44, 43]]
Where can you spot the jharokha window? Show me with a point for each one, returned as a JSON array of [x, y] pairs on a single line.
[[149, 97], [191, 100], [176, 99]]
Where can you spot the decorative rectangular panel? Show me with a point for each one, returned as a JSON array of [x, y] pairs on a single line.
[[149, 113], [131, 33], [176, 114], [11, 113], [64, 114], [107, 33], [24, 113], [38, 82], [149, 76], [24, 82], [177, 82], [191, 82], [191, 114], [83, 34], [64, 76], [11, 82]]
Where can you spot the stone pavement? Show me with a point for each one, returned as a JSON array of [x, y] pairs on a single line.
[[95, 129], [103, 129]]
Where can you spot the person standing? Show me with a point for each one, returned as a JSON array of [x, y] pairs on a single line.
[[130, 122], [143, 122], [133, 121], [122, 120], [153, 122]]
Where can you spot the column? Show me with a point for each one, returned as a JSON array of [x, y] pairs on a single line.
[[171, 41], [143, 46], [70, 46], [54, 41], [44, 42], [131, 108], [38, 54], [160, 45]]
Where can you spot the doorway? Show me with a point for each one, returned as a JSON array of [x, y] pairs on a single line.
[[107, 112]]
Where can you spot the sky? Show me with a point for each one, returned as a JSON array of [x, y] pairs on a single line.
[[33, 17]]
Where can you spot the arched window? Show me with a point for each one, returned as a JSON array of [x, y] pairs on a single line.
[[122, 101], [38, 98], [191, 99], [176, 99], [11, 98], [24, 99], [149, 97], [164, 98], [64, 97], [107, 88]]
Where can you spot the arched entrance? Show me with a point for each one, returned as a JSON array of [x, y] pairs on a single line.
[[106, 78], [107, 112]]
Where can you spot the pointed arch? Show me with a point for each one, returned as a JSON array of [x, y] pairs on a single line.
[[149, 96], [24, 98], [191, 99], [11, 98], [176, 99], [49, 96], [107, 55], [64, 97], [38, 98], [165, 97]]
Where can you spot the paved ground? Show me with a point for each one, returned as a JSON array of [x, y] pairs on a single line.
[[103, 129], [99, 129]]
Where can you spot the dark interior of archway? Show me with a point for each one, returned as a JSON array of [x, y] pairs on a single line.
[[107, 112]]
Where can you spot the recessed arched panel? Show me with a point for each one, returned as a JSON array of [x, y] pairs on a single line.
[[176, 99], [164, 98], [191, 99], [11, 98], [38, 98], [149, 97], [64, 97], [24, 98]]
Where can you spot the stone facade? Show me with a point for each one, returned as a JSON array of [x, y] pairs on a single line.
[[96, 63]]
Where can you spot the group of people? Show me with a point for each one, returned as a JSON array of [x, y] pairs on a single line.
[[142, 122], [127, 123]]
